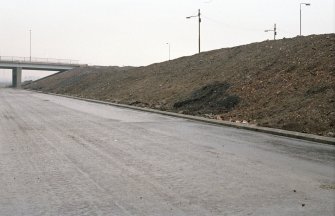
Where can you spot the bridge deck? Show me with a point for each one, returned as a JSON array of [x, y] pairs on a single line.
[[27, 63], [17, 64]]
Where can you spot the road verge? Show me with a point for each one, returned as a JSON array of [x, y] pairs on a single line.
[[274, 131]]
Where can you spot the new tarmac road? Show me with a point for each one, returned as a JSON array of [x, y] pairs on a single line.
[[61, 156]]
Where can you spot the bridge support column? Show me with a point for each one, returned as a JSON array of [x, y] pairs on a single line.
[[16, 77]]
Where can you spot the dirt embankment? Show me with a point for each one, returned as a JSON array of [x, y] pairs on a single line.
[[288, 84]]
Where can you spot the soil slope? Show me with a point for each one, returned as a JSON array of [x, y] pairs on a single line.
[[287, 84]]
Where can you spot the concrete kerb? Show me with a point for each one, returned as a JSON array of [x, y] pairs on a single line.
[[274, 131]]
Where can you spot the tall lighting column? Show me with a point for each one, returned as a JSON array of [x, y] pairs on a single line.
[[169, 50], [30, 44], [306, 4]]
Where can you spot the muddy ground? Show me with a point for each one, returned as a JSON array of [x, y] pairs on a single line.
[[287, 84]]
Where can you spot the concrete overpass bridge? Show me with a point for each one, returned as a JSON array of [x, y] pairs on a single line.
[[17, 64]]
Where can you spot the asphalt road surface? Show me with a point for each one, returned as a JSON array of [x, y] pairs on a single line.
[[61, 156]]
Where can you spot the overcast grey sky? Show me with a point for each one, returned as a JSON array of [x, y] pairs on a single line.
[[135, 32]]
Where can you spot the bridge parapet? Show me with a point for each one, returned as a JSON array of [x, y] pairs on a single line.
[[38, 60]]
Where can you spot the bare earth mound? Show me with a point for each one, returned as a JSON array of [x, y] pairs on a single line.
[[287, 84]]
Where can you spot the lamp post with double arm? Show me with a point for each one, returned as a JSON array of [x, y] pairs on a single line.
[[199, 18]]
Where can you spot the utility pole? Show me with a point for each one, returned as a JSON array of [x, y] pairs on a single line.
[[199, 18], [274, 31], [199, 14], [30, 44]]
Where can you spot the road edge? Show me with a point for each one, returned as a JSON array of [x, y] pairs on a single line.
[[274, 131]]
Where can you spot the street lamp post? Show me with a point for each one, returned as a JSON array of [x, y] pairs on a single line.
[[169, 50], [199, 17], [274, 31], [30, 44], [306, 4]]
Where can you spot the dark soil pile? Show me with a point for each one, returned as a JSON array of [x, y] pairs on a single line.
[[288, 84], [211, 98]]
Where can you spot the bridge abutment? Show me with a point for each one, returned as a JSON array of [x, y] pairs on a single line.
[[16, 77]]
